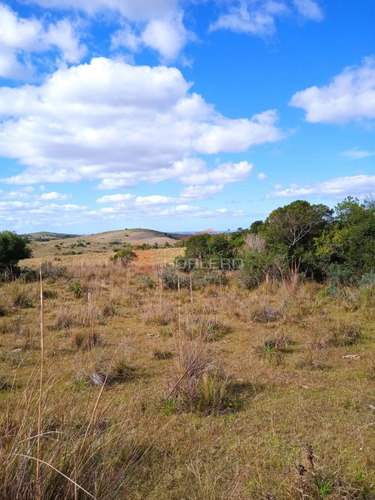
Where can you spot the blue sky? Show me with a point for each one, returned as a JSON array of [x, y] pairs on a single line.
[[181, 115]]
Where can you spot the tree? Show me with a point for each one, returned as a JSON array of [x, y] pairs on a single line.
[[296, 223], [348, 246], [13, 248], [256, 226], [205, 246], [292, 230]]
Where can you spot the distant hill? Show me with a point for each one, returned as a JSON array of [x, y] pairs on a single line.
[[48, 236], [54, 245]]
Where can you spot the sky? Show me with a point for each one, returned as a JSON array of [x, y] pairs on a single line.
[[182, 115]]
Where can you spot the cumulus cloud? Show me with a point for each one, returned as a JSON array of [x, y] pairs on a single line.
[[119, 124], [257, 17], [357, 185], [168, 36], [201, 192], [54, 196], [188, 193], [349, 97], [157, 24], [20, 36], [223, 174], [129, 199]]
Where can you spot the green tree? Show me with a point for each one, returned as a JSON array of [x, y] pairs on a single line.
[[13, 248], [291, 230], [256, 226], [205, 246], [348, 247]]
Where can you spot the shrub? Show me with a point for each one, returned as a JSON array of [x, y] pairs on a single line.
[[29, 275], [52, 272], [125, 256], [170, 279], [75, 287], [202, 279], [367, 280], [21, 299]]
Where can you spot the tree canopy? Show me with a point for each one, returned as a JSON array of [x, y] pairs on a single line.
[[13, 248], [350, 241]]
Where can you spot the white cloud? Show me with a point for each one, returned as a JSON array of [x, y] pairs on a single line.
[[240, 20], [201, 192], [153, 200], [357, 154], [54, 196], [349, 96], [309, 9], [157, 24], [29, 215], [257, 17], [168, 36], [19, 194], [116, 198], [118, 123], [19, 37], [193, 211], [225, 173], [261, 176], [357, 185], [136, 10]]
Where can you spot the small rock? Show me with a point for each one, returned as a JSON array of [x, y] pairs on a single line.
[[305, 387], [13, 351], [151, 335], [372, 407], [351, 356]]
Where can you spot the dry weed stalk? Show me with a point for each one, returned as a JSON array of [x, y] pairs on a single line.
[[38, 479]]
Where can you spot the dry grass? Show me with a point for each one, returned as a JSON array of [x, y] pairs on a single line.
[[148, 394]]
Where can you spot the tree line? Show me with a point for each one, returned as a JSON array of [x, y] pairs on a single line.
[[309, 239], [312, 239]]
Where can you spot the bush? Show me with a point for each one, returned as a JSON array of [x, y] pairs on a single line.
[[75, 287], [367, 280], [13, 248], [170, 279], [124, 256], [52, 272], [29, 275], [203, 279], [258, 266]]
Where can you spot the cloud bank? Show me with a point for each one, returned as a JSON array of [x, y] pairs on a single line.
[[121, 124]]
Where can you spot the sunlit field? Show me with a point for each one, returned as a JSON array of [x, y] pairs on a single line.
[[189, 388]]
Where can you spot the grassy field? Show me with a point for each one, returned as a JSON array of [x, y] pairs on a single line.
[[101, 244], [205, 392]]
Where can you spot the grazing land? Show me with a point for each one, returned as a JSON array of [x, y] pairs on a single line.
[[210, 391]]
